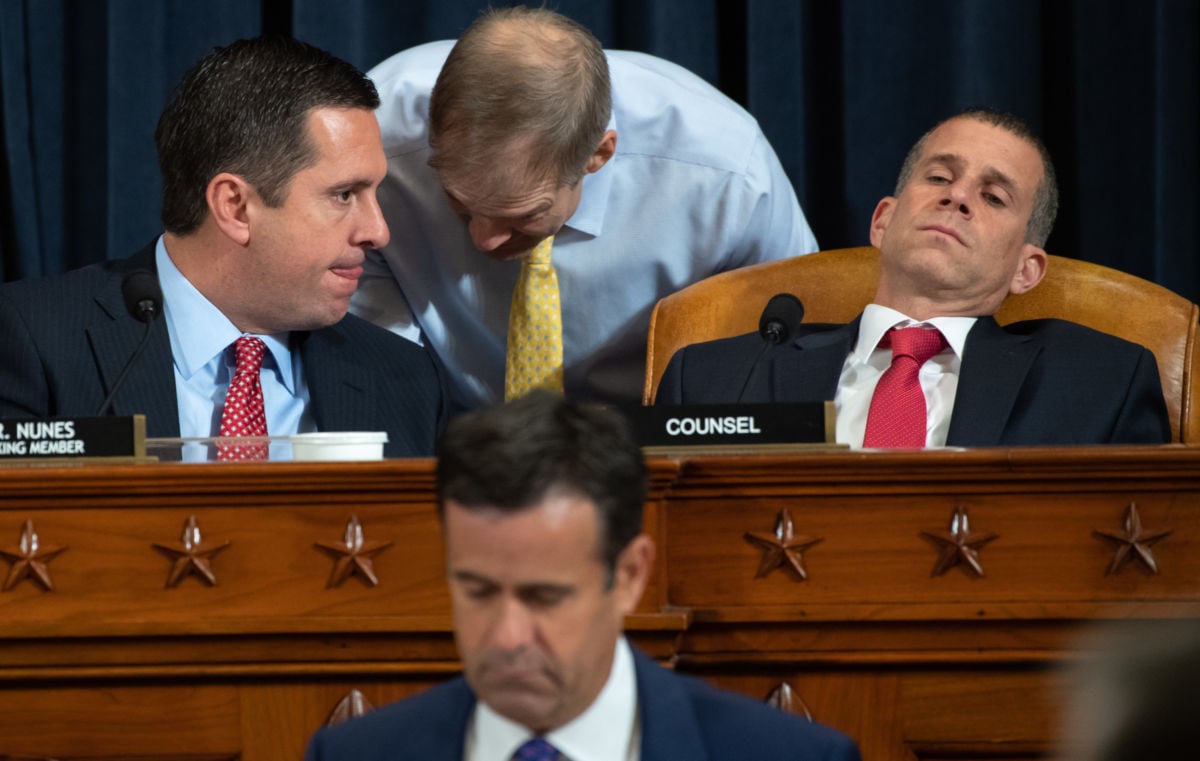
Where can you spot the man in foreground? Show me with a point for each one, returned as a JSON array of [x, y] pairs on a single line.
[[926, 364], [541, 503], [271, 156]]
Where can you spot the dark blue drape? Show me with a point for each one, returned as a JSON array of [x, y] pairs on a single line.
[[841, 89]]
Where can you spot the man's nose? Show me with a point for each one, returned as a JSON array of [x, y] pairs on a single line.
[[488, 234], [956, 198], [373, 232], [513, 627]]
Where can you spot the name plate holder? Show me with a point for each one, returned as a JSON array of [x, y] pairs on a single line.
[[58, 441], [735, 428]]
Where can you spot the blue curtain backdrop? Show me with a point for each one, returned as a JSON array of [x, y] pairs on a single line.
[[842, 88]]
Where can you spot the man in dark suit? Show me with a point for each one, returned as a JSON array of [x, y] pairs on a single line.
[[541, 505], [271, 156], [974, 203]]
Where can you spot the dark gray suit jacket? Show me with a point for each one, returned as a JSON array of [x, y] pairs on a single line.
[[64, 340], [1038, 382], [682, 719]]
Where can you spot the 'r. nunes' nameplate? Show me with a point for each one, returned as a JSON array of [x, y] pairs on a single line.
[[74, 437], [733, 424]]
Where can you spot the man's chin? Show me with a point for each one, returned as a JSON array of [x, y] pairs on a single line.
[[532, 710], [507, 254]]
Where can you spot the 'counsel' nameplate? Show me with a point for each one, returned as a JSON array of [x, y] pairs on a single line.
[[73, 437], [733, 424]]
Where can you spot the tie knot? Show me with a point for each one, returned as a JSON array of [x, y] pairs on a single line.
[[248, 353], [536, 749], [539, 255], [918, 343]]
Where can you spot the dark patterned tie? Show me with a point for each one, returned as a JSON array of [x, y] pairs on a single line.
[[537, 749], [244, 413], [897, 417]]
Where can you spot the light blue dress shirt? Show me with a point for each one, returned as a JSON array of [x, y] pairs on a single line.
[[694, 189], [202, 348]]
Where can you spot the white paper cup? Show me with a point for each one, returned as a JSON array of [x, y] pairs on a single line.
[[339, 445]]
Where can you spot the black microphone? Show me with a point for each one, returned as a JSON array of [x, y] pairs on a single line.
[[779, 321], [143, 299], [782, 315]]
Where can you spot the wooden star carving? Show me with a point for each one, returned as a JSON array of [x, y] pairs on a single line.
[[29, 559], [958, 546], [1133, 542], [353, 555], [785, 699], [189, 556], [782, 548], [352, 706]]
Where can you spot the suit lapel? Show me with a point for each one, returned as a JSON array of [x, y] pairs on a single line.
[[669, 727], [809, 368], [114, 336], [340, 389], [994, 367]]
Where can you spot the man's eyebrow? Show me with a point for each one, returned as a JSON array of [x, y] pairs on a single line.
[[994, 176], [991, 175], [357, 183], [462, 575]]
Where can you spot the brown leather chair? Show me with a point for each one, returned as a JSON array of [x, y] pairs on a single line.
[[835, 286]]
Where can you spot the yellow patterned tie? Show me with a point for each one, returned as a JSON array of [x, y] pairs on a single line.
[[535, 354]]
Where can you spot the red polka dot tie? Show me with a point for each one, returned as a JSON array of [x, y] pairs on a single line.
[[897, 417], [244, 413]]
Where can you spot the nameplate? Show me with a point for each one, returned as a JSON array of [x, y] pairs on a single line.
[[73, 437], [733, 424]]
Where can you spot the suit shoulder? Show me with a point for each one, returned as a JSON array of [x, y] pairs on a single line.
[[1068, 335], [736, 726]]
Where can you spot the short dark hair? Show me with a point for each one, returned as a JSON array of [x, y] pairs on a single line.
[[243, 109], [1045, 198], [509, 457], [526, 73]]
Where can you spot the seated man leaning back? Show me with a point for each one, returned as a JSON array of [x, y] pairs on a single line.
[[974, 203]]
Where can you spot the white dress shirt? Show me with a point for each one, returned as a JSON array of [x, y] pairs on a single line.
[[693, 189], [867, 361], [608, 730], [201, 348]]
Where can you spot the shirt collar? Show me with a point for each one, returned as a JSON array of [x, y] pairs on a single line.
[[878, 320], [604, 731], [184, 308], [593, 198]]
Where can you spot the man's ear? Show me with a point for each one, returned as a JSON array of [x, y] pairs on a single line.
[[604, 152], [1031, 270], [229, 197], [881, 218], [632, 571]]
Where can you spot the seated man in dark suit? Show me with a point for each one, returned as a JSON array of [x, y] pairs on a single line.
[[974, 203], [271, 156], [541, 505]]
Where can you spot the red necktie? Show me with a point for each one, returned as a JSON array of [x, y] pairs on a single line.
[[244, 414], [896, 419]]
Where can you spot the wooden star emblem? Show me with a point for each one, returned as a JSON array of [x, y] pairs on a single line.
[[189, 556], [353, 705], [29, 559], [782, 548], [785, 699], [958, 546], [353, 555], [1133, 542]]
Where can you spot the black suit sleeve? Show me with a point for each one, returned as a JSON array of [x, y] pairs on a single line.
[[1143, 417], [23, 387]]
